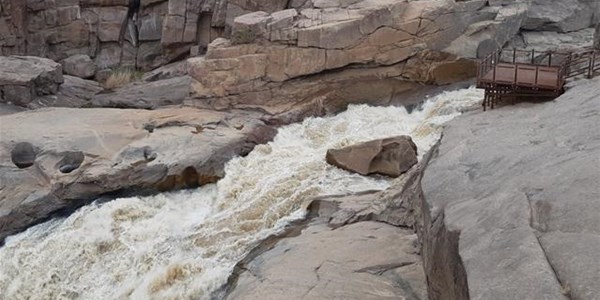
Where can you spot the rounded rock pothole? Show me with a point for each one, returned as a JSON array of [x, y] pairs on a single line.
[[23, 155], [70, 161]]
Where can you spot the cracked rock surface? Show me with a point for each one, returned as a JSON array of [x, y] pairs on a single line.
[[516, 192], [365, 260], [358, 246]]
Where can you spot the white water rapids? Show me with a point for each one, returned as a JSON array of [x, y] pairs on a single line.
[[184, 245]]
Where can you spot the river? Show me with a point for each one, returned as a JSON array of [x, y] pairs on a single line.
[[184, 244]]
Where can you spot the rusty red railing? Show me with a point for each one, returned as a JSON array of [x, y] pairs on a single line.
[[535, 73]]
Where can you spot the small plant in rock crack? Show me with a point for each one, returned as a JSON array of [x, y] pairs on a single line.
[[121, 77], [243, 37]]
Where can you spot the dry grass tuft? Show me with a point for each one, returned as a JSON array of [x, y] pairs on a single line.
[[121, 77], [565, 289]]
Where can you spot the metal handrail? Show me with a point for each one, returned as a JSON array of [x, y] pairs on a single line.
[[586, 62], [548, 63]]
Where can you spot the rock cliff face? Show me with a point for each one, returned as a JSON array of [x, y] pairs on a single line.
[[330, 34], [288, 54], [308, 55], [511, 201], [305, 55], [139, 33]]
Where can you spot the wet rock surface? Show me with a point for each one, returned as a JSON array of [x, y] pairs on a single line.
[[511, 198], [359, 246], [146, 34]]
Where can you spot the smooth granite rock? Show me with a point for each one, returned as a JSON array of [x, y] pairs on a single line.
[[512, 199], [559, 15], [357, 246]]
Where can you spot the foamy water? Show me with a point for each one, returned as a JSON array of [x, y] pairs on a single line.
[[184, 245]]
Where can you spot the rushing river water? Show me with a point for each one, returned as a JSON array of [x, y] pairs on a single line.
[[184, 245]]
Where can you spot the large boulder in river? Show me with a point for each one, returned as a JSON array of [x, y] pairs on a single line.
[[23, 78], [391, 156]]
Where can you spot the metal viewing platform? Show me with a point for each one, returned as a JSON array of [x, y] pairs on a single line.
[[512, 74]]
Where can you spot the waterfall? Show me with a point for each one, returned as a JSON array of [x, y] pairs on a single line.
[[184, 244]]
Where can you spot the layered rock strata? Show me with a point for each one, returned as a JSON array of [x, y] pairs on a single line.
[[288, 56], [145, 34]]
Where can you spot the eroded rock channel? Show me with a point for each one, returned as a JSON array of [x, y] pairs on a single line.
[[223, 148], [467, 220], [185, 244]]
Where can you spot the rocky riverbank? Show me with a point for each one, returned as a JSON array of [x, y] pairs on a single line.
[[506, 194], [513, 193], [509, 193], [117, 150], [359, 246]]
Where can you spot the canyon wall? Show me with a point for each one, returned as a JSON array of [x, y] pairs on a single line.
[[329, 50], [141, 33], [150, 33]]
